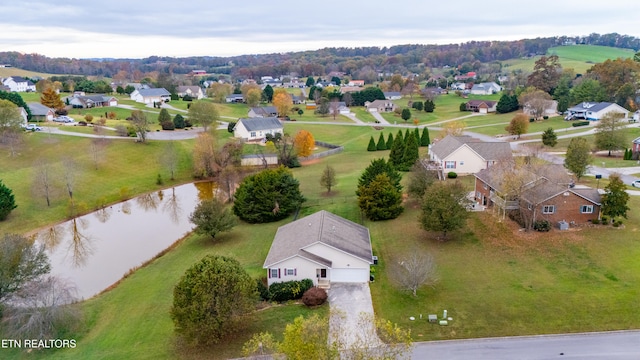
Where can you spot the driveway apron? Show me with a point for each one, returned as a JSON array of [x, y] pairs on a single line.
[[352, 318]]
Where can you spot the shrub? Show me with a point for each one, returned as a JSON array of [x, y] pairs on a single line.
[[531, 120], [168, 125], [542, 225], [88, 118], [463, 106], [604, 220], [545, 117], [187, 98], [174, 97], [231, 126], [263, 290], [580, 123], [314, 296], [617, 223], [111, 115], [131, 131], [300, 112], [452, 175], [595, 221], [289, 290]]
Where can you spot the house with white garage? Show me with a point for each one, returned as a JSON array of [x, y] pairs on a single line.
[[40, 112], [150, 96], [487, 88], [257, 128], [263, 111], [466, 155], [323, 247], [595, 111]]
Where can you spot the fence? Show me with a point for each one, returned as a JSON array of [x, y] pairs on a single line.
[[333, 149]]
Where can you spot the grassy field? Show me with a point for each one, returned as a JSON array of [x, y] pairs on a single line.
[[577, 57], [494, 279], [12, 71]]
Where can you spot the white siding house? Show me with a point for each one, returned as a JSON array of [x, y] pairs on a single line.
[[322, 247], [257, 128], [465, 155], [595, 111], [149, 96], [19, 84]]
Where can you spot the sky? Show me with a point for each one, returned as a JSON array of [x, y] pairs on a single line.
[[138, 29]]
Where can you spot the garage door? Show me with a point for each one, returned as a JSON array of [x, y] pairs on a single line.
[[349, 275], [113, 103]]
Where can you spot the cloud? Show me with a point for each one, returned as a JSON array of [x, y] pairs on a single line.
[[119, 28]]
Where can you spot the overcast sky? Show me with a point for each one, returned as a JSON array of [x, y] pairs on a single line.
[[136, 29]]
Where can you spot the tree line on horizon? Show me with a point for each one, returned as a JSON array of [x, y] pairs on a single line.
[[352, 61]]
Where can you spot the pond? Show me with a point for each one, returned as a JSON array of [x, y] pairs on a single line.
[[96, 250]]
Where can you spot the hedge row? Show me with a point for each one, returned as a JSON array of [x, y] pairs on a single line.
[[284, 291]]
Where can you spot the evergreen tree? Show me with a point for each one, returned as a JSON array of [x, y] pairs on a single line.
[[7, 201], [163, 116], [406, 135], [406, 114], [397, 151], [424, 140], [267, 93], [411, 153], [507, 103], [310, 81], [380, 199], [416, 132], [562, 94], [379, 166], [178, 122], [381, 145], [429, 106], [549, 137], [372, 145], [389, 141]]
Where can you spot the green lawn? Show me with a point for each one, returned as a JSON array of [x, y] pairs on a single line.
[[494, 279], [580, 58]]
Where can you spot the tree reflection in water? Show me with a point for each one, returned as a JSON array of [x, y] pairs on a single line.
[[52, 237], [172, 206], [148, 201], [126, 208], [104, 214], [80, 246]]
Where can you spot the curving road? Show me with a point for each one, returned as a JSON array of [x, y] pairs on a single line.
[[615, 345]]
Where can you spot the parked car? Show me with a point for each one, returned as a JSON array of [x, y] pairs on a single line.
[[32, 127], [63, 119], [636, 183]]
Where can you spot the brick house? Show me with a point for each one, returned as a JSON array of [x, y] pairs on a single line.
[[635, 145], [548, 194], [482, 106]]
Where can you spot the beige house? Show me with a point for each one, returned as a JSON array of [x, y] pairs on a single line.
[[194, 91], [466, 155], [380, 106], [322, 247]]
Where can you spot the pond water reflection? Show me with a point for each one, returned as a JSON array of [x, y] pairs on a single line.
[[96, 250]]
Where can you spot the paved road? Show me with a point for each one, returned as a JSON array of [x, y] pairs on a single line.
[[618, 345]]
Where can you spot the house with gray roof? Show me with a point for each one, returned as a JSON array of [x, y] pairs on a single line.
[[19, 84], [234, 98], [263, 111], [392, 95], [194, 91], [252, 129], [486, 88], [91, 101], [595, 111], [323, 247], [467, 155], [150, 96], [40, 112]]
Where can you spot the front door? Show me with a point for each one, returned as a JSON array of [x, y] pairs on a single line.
[[321, 273]]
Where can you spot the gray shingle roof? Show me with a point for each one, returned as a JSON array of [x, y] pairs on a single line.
[[321, 227], [489, 151], [154, 92], [38, 109], [258, 124], [587, 106]]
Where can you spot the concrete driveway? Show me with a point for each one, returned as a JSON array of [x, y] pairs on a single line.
[[352, 319]]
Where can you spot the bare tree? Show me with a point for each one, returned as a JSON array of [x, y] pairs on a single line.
[[43, 310], [328, 178], [535, 102], [10, 130], [43, 181], [334, 108], [140, 124], [96, 148], [70, 170], [414, 270], [169, 158]]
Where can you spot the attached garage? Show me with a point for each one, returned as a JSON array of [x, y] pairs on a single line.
[[349, 275]]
